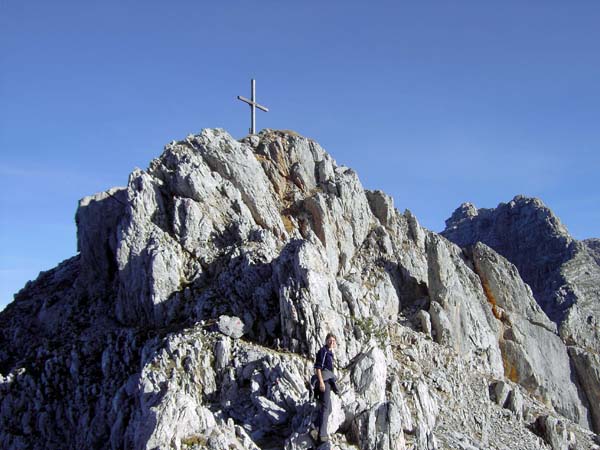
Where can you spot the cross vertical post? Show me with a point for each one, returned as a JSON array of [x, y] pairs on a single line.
[[253, 98], [253, 105]]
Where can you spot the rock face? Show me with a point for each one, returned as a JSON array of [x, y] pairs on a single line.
[[560, 270], [533, 353], [564, 275], [202, 290], [593, 246]]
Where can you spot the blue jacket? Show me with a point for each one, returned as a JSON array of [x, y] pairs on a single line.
[[324, 359]]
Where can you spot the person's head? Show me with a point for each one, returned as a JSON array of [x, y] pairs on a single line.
[[331, 341]]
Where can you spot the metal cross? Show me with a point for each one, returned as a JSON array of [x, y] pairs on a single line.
[[253, 106]]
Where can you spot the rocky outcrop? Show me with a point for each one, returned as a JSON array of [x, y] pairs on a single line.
[[529, 235], [533, 354], [593, 246], [204, 287], [563, 273], [460, 314]]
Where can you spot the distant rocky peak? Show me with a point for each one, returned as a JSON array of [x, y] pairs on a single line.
[[542, 215], [528, 234], [523, 217], [521, 212], [464, 212]]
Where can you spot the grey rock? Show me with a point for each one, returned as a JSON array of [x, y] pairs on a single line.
[[529, 235], [382, 206], [459, 310], [499, 392], [587, 366], [222, 354], [97, 219], [136, 342], [593, 246], [564, 276], [276, 414], [425, 321], [515, 403], [231, 326], [368, 376], [532, 352], [554, 432]]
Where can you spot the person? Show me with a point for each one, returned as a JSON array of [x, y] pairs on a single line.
[[325, 382]]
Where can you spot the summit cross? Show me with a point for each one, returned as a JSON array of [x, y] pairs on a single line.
[[253, 106]]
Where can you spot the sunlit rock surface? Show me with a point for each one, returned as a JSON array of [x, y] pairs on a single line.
[[564, 275], [201, 291]]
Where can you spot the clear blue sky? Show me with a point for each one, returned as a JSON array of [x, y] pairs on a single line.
[[436, 103]]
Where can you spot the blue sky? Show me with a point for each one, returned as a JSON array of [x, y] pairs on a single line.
[[436, 103]]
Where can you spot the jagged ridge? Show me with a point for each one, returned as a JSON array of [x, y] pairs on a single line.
[[564, 274], [119, 346]]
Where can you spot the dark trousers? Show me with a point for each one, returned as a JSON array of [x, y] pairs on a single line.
[[325, 410]]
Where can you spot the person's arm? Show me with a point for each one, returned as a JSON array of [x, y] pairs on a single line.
[[321, 382], [319, 369]]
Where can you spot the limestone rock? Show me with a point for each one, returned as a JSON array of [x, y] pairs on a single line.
[[424, 319], [593, 246], [97, 219], [587, 366], [499, 392], [529, 235], [532, 351], [203, 289], [459, 308], [368, 376], [554, 433], [564, 276], [382, 207], [231, 326]]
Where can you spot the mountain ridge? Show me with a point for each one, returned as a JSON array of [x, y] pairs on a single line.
[[125, 345], [564, 273]]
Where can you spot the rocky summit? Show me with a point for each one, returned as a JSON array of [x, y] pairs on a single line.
[[201, 291], [563, 273]]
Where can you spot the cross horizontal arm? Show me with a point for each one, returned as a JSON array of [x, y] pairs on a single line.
[[250, 102]]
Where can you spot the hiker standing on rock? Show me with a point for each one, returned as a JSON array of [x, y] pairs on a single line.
[[325, 383]]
